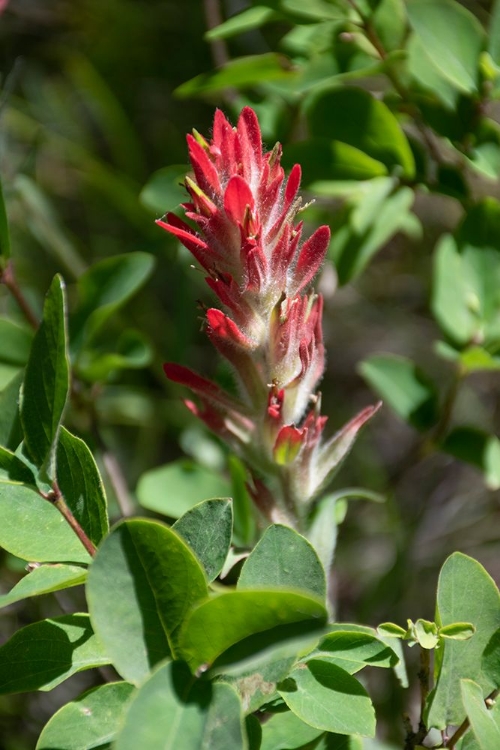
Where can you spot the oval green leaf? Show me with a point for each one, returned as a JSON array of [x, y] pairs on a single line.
[[137, 612], [403, 386], [43, 580], [174, 710], [33, 529], [103, 289], [466, 593], [222, 621], [452, 37], [285, 731], [89, 721], [42, 655], [355, 117], [484, 727], [46, 382], [353, 650], [328, 698], [283, 558], [81, 485], [207, 528]]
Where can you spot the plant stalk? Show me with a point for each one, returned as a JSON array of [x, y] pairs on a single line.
[[58, 501]]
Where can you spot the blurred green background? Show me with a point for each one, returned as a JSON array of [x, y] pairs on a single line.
[[90, 111]]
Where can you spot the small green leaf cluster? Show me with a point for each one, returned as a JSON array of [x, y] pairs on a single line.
[[427, 634]]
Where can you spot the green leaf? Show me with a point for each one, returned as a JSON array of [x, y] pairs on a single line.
[[247, 20], [494, 33], [15, 342], [375, 217], [89, 721], [12, 469], [285, 731], [476, 358], [244, 523], [216, 624], [43, 580], [451, 298], [423, 71], [328, 698], [33, 529], [81, 485], [477, 448], [155, 581], [175, 488], [324, 159], [224, 728], [458, 631], [283, 558], [4, 230], [389, 22], [240, 72], [452, 37], [484, 727], [425, 633], [478, 240], [165, 189], [491, 659], [42, 655], [10, 430], [174, 710], [207, 529], [353, 650], [254, 732], [314, 10], [133, 351], [403, 386], [391, 630], [255, 665], [103, 289], [466, 593], [355, 117], [46, 382], [41, 219]]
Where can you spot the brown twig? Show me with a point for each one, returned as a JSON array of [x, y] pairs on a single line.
[[466, 723], [56, 498], [8, 278]]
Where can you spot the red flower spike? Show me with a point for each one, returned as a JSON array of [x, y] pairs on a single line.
[[269, 329]]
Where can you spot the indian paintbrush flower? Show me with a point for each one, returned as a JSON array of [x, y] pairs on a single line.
[[244, 235]]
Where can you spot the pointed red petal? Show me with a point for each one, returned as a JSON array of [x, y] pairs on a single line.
[[223, 327], [204, 169], [311, 257], [203, 387], [292, 185], [250, 137], [236, 199], [196, 246]]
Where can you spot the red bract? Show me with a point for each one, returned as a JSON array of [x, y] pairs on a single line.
[[243, 233]]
